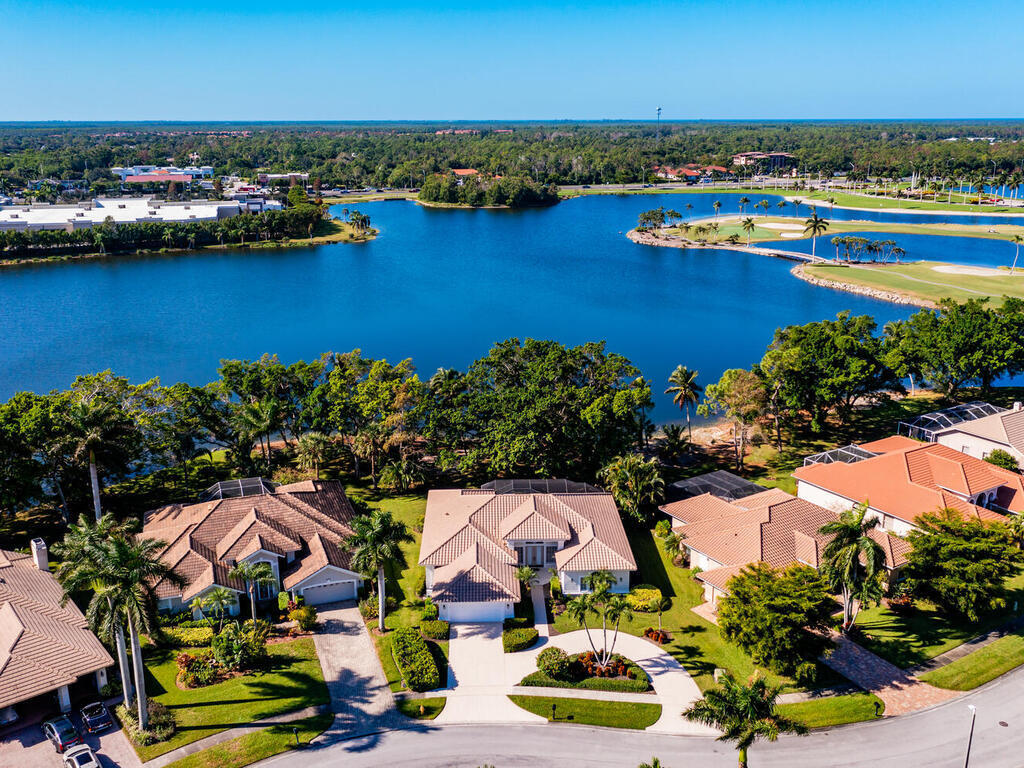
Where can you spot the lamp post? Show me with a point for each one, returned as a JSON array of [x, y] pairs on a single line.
[[970, 737]]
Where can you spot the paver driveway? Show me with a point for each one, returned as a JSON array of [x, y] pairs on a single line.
[[28, 749]]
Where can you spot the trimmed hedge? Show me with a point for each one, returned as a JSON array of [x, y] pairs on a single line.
[[414, 660], [518, 639], [516, 623], [435, 630], [189, 637], [541, 680]]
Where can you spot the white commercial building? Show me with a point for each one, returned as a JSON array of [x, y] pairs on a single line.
[[196, 172]]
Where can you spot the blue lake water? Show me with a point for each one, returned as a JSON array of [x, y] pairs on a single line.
[[960, 250], [440, 286]]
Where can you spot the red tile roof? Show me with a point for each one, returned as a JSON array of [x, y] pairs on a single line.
[[158, 178]]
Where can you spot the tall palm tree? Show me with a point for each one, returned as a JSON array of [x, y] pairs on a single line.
[[685, 391], [313, 449], [744, 713], [377, 540], [716, 205], [815, 226], [80, 570], [1016, 240], [94, 426], [131, 570], [253, 574], [219, 602], [748, 226], [852, 561], [796, 206], [260, 418], [766, 205], [744, 202]]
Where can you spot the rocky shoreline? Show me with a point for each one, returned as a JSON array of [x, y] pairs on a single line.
[[874, 293]]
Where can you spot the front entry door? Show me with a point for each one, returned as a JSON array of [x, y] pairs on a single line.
[[534, 554]]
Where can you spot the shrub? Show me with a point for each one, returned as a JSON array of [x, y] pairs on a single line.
[[283, 598], [305, 617], [368, 607], [241, 646], [662, 528], [518, 639], [435, 630], [161, 723], [1003, 459], [554, 662], [195, 671], [429, 611], [111, 689], [516, 622], [641, 598], [657, 635], [188, 637], [414, 660]]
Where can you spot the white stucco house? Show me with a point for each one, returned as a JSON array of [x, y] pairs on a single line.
[[475, 539], [1000, 431], [296, 529]]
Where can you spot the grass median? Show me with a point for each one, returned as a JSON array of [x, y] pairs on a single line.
[[608, 714]]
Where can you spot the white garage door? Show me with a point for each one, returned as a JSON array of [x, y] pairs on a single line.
[[466, 612], [330, 593]]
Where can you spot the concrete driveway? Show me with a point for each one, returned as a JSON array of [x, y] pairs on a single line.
[[28, 749]]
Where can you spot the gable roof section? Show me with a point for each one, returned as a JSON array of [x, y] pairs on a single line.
[[530, 521], [1006, 427], [43, 644], [310, 519], [476, 576], [919, 479]]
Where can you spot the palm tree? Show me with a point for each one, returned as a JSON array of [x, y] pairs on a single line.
[[600, 601], [744, 202], [376, 541], [252, 574], [219, 601], [672, 541], [852, 561], [131, 569], [781, 204], [633, 482], [95, 426], [796, 206], [260, 418], [525, 574], [744, 713], [81, 555], [716, 205], [748, 227], [1016, 240], [579, 609], [652, 763], [685, 391], [313, 448], [815, 226], [766, 205]]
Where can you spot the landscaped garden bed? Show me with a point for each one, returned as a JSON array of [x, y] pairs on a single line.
[[556, 669], [518, 634]]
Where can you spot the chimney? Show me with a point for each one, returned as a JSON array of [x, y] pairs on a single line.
[[40, 555], [1017, 405]]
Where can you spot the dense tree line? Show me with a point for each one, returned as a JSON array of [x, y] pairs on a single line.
[[533, 407], [109, 236], [406, 154], [515, 192]]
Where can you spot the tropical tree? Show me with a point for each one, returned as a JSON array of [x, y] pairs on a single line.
[[634, 483], [525, 574], [313, 450], [766, 205], [743, 713], [717, 206], [814, 226], [601, 602], [94, 428], [748, 227], [796, 202], [1016, 240], [251, 574], [685, 391], [744, 202], [376, 541], [853, 563], [219, 602]]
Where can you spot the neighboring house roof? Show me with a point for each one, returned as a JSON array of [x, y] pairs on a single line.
[[309, 520], [158, 178], [724, 485], [919, 479], [1006, 428], [43, 644], [465, 171], [890, 444], [480, 522]]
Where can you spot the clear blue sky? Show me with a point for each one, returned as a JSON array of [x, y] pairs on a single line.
[[452, 59]]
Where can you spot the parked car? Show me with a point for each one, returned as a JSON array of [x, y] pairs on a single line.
[[96, 718], [61, 732], [7, 716], [81, 757]]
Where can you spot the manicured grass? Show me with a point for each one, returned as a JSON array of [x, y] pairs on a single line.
[[834, 710], [980, 666], [920, 280], [431, 707], [910, 638], [696, 643], [292, 680], [610, 714], [257, 746], [850, 200]]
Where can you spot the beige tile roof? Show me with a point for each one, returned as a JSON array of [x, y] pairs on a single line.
[[476, 576], [482, 521], [719, 577], [917, 480], [1006, 427], [43, 645], [310, 519]]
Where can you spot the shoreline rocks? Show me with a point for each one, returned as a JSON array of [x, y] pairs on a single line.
[[862, 290]]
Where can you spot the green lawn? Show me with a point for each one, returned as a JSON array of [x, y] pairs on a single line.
[[980, 666], [257, 746], [834, 710], [696, 643], [849, 200], [431, 707], [920, 280], [610, 714], [925, 632], [292, 680]]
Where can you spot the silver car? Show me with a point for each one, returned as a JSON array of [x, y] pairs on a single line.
[[81, 756]]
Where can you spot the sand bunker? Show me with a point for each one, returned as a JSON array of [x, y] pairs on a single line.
[[774, 225], [791, 234], [977, 271]]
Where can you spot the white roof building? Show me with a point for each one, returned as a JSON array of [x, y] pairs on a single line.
[[121, 210]]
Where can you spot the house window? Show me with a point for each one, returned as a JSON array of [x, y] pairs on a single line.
[[549, 556]]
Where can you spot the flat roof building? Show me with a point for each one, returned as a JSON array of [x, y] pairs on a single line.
[[128, 210]]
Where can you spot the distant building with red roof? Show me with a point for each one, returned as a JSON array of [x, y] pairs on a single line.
[[158, 178]]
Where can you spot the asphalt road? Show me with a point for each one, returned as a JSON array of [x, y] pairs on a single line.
[[936, 738]]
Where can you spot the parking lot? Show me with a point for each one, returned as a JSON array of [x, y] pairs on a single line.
[[28, 748]]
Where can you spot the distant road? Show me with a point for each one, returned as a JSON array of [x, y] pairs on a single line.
[[936, 738]]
